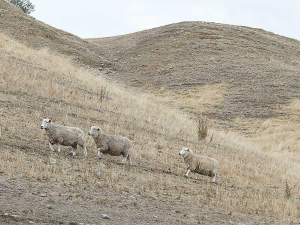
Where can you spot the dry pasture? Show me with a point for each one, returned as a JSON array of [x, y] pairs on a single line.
[[256, 184]]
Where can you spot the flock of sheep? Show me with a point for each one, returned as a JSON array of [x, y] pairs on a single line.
[[117, 145]]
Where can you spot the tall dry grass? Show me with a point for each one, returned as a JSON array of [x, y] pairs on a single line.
[[254, 171]]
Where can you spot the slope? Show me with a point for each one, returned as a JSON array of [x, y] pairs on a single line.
[[259, 69], [39, 35], [254, 186], [47, 187]]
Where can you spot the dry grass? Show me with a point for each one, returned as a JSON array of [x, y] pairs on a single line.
[[189, 59], [202, 128], [253, 174], [197, 99]]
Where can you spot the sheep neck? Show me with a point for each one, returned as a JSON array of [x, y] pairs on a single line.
[[51, 128], [99, 137], [189, 158]]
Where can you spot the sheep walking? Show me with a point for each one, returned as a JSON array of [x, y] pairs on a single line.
[[200, 164], [63, 135], [111, 144]]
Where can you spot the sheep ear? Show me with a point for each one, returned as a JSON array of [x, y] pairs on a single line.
[[42, 117]]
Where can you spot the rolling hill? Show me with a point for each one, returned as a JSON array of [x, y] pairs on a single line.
[[37, 34], [259, 68], [149, 86]]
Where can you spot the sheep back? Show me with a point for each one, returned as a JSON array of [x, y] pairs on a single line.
[[116, 145], [200, 164], [67, 136]]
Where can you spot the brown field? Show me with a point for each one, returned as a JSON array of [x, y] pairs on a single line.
[[252, 178], [260, 69], [258, 151]]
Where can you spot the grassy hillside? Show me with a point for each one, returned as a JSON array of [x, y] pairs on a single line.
[[37, 83], [259, 69], [184, 70], [38, 35]]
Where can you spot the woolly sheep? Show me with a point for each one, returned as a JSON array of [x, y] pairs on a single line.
[[63, 135], [200, 164], [111, 144]]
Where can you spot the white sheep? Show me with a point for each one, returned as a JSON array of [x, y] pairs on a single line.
[[111, 144], [63, 135], [200, 164]]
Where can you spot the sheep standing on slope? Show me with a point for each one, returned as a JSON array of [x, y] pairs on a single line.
[[111, 144], [63, 135], [200, 164]]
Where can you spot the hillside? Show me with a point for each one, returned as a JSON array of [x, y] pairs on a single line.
[[47, 187], [257, 182], [259, 69], [37, 34]]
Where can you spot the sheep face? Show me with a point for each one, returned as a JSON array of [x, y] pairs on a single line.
[[46, 123], [185, 151], [95, 131]]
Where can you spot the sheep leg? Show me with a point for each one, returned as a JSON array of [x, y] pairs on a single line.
[[51, 146], [129, 159], [126, 157], [84, 150], [187, 173], [99, 153], [196, 176], [214, 178], [73, 150], [60, 140], [124, 160]]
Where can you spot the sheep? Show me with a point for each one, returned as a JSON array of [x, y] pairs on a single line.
[[200, 164], [111, 144], [63, 135]]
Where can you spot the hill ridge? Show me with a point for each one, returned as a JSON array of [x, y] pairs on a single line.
[[36, 34], [258, 177], [188, 54]]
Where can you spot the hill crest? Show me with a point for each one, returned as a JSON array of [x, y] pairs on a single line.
[[36, 34], [261, 68]]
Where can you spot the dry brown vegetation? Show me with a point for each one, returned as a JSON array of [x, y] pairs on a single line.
[[185, 71], [252, 178], [256, 70], [34, 33]]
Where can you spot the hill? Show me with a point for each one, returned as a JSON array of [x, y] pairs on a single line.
[[258, 178], [37, 34], [259, 70], [49, 187]]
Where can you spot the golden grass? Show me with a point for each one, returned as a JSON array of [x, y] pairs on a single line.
[[254, 170], [196, 99]]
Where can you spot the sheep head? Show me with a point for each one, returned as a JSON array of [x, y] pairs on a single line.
[[95, 131], [185, 151], [46, 123]]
